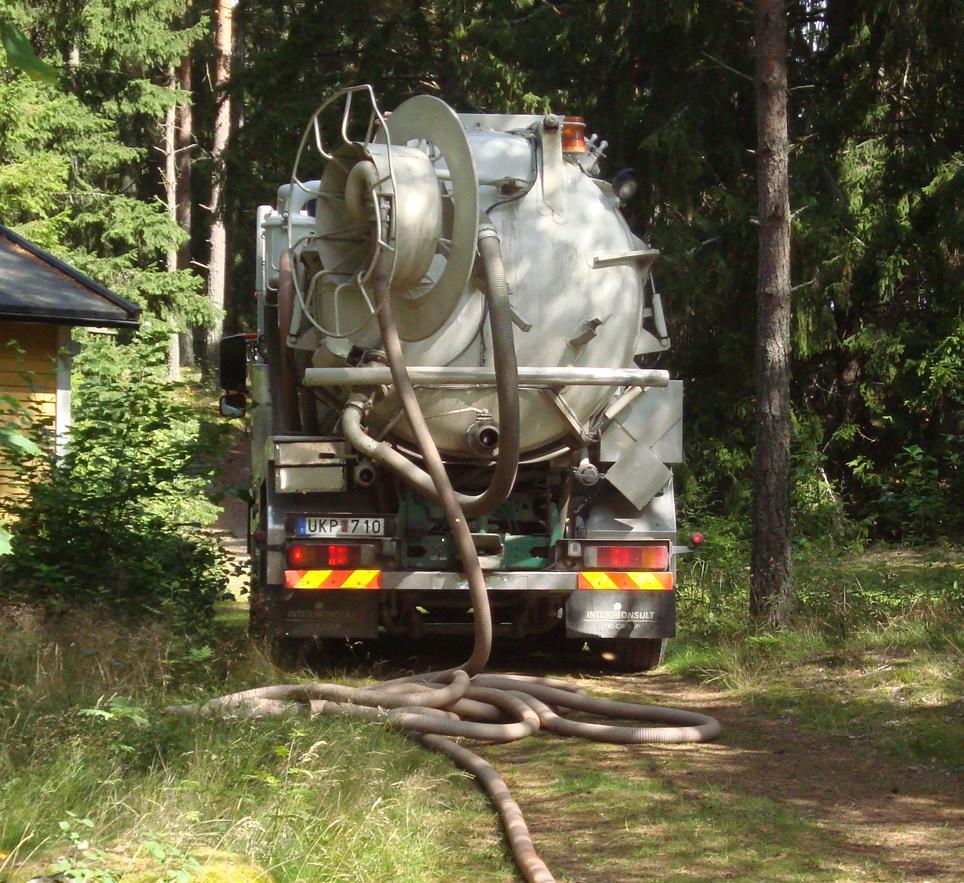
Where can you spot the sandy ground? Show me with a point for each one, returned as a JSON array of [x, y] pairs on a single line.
[[862, 813]]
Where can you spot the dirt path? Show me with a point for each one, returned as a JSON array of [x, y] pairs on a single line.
[[771, 800]]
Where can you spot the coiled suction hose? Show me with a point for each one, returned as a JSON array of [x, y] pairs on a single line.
[[507, 393], [462, 703]]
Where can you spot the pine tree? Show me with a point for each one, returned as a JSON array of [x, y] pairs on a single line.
[[218, 237], [771, 592], [78, 173]]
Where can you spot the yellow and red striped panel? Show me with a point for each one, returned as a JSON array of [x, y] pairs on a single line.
[[333, 579], [633, 580]]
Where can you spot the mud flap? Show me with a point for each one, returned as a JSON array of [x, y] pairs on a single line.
[[615, 614], [326, 614]]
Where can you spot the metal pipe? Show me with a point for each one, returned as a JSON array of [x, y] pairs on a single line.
[[470, 375]]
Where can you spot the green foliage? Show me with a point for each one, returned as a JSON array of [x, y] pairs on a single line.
[[119, 522], [20, 54], [87, 863], [880, 173], [838, 589], [916, 499], [79, 165], [90, 862]]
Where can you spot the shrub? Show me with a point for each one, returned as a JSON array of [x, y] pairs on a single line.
[[120, 520], [916, 500]]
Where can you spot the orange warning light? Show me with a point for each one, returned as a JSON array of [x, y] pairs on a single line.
[[574, 135]]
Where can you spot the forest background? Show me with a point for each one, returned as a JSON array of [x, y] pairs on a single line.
[[143, 142], [115, 165]]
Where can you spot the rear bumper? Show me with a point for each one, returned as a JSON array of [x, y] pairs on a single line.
[[495, 581], [360, 604]]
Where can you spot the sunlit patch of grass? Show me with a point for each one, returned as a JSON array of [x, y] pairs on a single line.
[[894, 680], [86, 746], [626, 814]]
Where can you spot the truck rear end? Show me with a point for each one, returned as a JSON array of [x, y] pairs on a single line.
[[346, 540]]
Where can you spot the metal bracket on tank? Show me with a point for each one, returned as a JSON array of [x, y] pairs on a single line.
[[553, 166], [519, 320], [570, 416], [586, 331], [643, 257], [658, 319]]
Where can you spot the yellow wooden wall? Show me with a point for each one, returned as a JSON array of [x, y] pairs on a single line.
[[28, 373]]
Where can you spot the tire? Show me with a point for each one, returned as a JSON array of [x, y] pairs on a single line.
[[631, 654], [285, 653], [257, 621], [288, 654]]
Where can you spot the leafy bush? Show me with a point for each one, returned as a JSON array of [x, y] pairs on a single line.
[[817, 504], [916, 500], [119, 521], [714, 585]]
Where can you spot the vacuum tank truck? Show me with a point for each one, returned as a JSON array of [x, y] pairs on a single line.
[[527, 314]]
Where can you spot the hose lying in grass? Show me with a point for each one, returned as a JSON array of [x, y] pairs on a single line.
[[464, 703]]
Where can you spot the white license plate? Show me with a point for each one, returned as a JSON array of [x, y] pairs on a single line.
[[344, 526]]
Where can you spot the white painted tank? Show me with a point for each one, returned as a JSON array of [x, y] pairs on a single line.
[[575, 272]]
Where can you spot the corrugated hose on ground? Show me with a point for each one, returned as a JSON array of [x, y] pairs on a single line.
[[442, 706]]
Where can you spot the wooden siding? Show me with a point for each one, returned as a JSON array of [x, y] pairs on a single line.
[[28, 374]]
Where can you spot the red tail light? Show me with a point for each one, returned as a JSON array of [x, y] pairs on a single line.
[[651, 557], [306, 556], [340, 556]]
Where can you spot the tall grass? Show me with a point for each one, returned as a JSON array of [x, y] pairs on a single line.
[[94, 776], [89, 766]]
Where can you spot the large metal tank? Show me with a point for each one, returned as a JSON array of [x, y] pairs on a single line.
[[576, 273]]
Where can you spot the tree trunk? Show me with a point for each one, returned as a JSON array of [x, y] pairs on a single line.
[[183, 158], [771, 590], [218, 240], [170, 200]]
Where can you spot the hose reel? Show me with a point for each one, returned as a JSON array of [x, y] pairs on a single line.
[[409, 190]]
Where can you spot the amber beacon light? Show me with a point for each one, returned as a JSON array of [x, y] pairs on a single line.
[[574, 135]]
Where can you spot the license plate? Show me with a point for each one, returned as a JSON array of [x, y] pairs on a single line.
[[343, 526]]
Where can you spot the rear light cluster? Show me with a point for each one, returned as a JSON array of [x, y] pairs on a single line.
[[309, 556], [651, 557]]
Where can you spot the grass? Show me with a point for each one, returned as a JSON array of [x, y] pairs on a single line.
[[88, 758], [660, 813], [94, 778], [886, 664]]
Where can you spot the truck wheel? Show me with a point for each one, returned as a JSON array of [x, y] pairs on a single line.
[[257, 621], [287, 654], [631, 654]]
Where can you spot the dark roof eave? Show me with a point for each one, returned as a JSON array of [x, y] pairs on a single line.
[[127, 306], [66, 318]]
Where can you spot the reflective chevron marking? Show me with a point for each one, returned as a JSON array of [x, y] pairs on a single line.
[[645, 581], [333, 579]]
